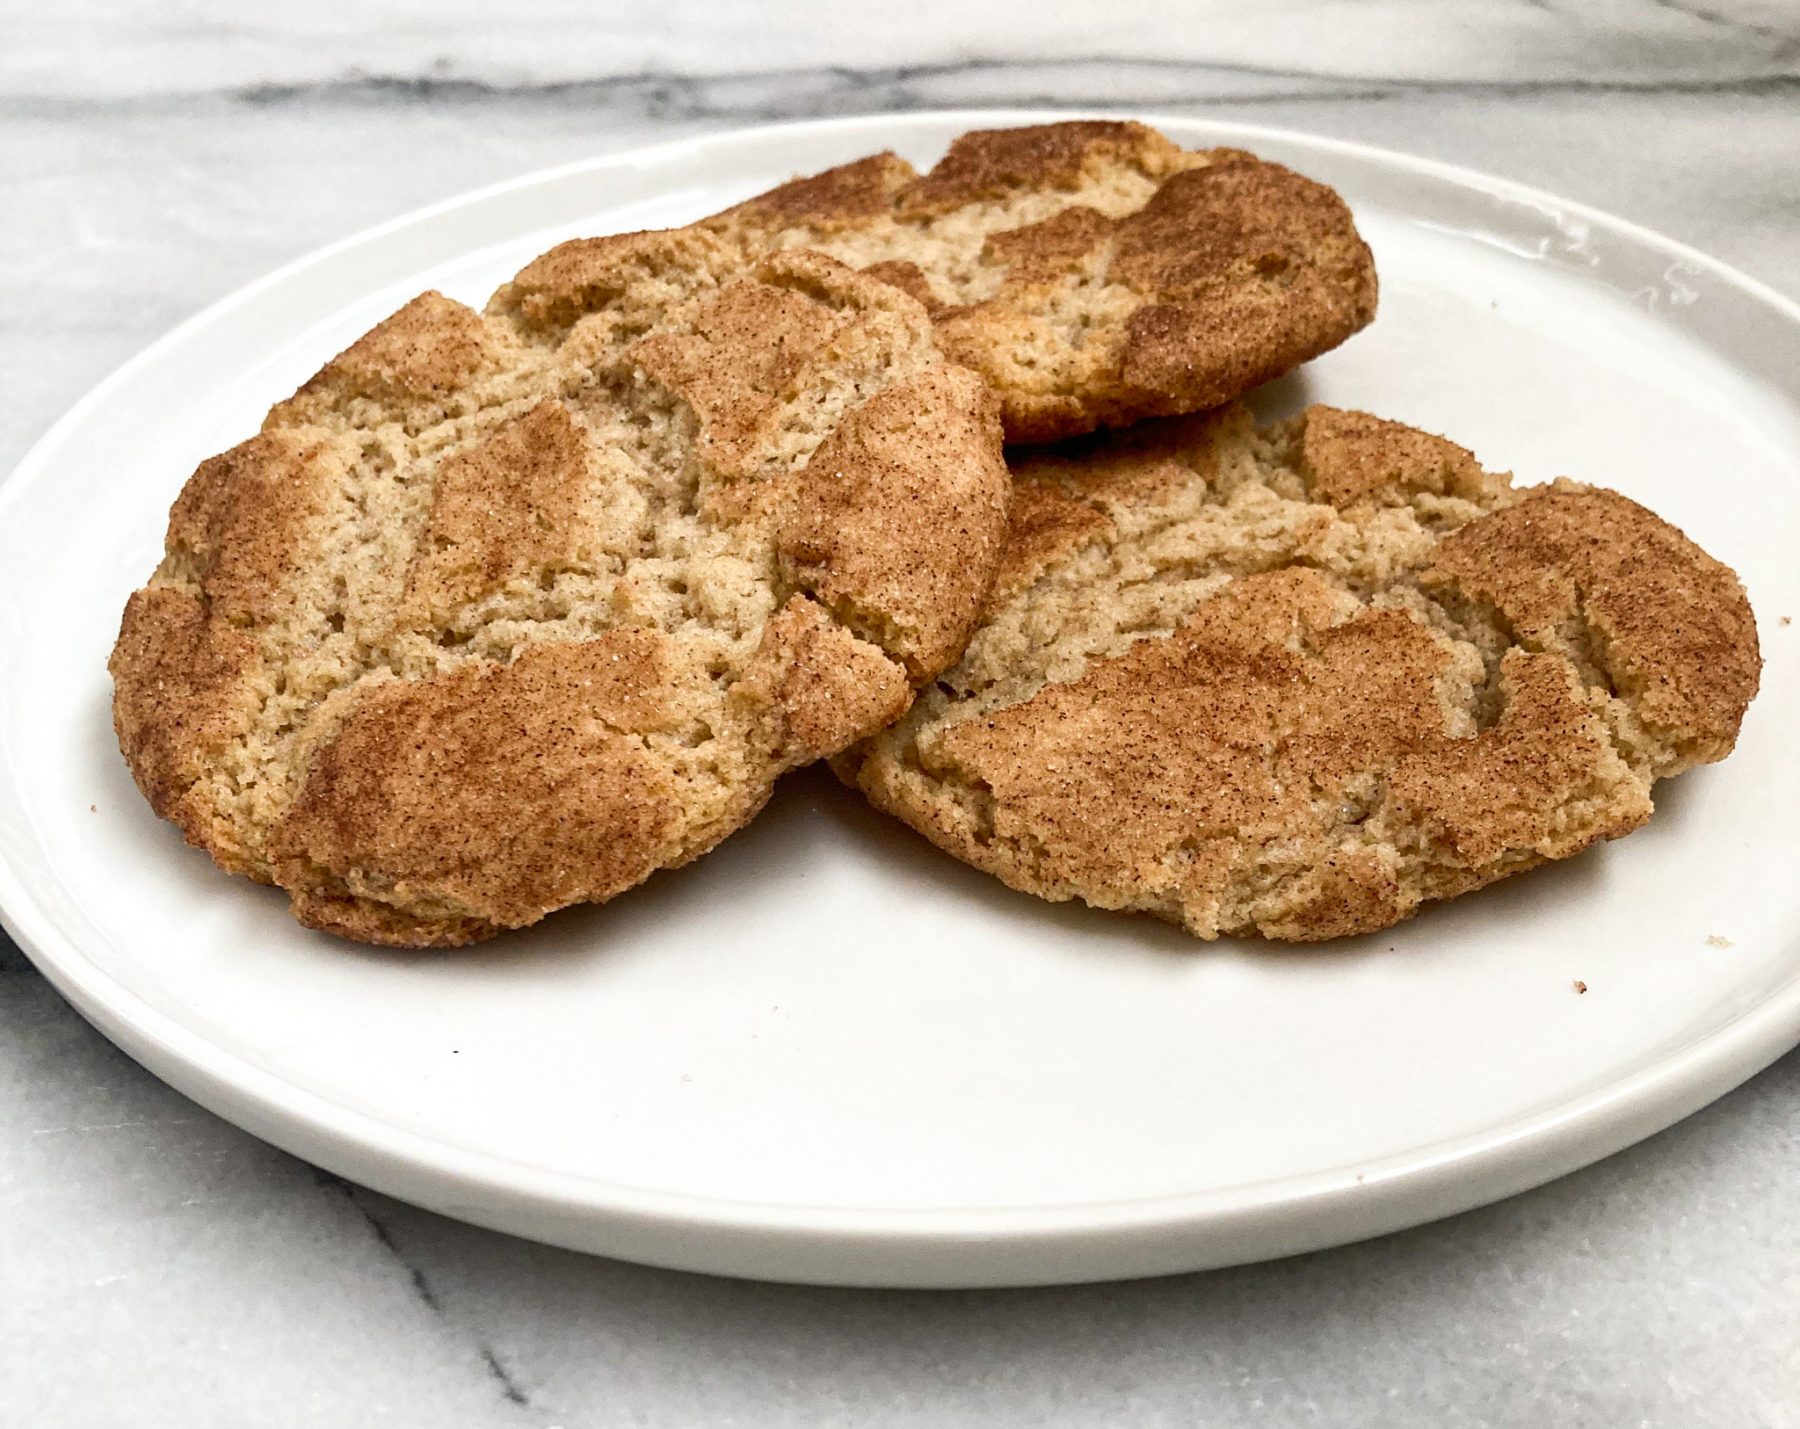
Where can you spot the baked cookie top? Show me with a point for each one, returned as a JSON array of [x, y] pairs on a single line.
[[501, 612], [1093, 271], [1299, 681]]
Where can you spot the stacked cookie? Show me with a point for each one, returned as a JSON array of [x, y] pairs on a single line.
[[504, 611]]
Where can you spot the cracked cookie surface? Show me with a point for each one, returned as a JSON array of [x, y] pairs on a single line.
[[503, 611], [1297, 682], [1093, 271]]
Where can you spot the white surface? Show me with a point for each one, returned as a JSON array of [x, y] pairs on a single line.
[[1503, 41], [825, 1053], [162, 1268]]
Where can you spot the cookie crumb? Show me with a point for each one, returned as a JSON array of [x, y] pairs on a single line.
[[1787, 620], [1713, 940], [1579, 985], [93, 808]]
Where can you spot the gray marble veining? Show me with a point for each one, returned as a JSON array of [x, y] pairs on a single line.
[[160, 1267]]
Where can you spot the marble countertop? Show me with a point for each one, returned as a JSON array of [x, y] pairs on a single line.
[[160, 1267]]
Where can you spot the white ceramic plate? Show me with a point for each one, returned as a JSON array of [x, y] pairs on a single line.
[[828, 1052]]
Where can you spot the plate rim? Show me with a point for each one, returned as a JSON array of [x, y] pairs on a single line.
[[1277, 1216]]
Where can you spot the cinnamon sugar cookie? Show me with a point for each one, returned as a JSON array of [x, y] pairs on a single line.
[[1298, 682], [503, 612], [1093, 271]]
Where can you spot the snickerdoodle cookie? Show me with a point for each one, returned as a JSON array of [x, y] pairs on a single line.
[[1093, 271], [1299, 681], [502, 612]]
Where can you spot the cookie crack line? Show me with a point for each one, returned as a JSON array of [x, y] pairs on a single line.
[[1430, 680]]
